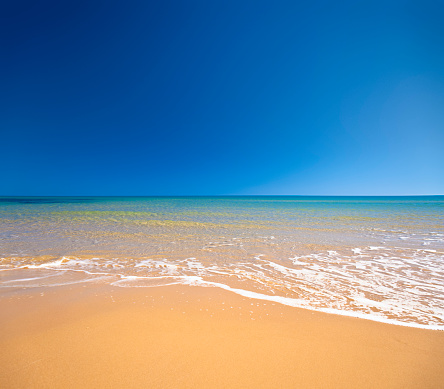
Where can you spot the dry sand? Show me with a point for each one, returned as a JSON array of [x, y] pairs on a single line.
[[192, 337]]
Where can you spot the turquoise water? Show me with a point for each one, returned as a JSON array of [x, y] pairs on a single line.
[[379, 258]]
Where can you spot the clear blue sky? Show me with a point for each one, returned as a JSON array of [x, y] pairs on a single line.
[[221, 97]]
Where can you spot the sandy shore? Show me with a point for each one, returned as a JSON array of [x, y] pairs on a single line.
[[95, 336]]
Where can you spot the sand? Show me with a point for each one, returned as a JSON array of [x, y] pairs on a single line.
[[97, 336]]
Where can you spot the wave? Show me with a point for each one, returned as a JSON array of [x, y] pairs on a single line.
[[392, 285]]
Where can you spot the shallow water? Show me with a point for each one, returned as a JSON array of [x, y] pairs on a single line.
[[380, 258]]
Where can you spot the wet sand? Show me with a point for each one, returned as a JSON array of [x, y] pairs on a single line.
[[98, 336]]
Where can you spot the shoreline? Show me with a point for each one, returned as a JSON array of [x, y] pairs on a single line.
[[182, 336], [186, 280]]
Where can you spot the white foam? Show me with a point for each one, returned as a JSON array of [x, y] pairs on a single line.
[[46, 265], [298, 303], [394, 285], [18, 280], [164, 266], [147, 282]]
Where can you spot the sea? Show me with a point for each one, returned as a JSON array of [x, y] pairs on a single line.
[[375, 258]]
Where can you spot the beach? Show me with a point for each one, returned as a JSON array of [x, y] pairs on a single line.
[[222, 195], [191, 337], [222, 292]]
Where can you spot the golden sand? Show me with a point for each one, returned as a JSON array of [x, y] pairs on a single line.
[[192, 337]]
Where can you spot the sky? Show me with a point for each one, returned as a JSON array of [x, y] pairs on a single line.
[[221, 97]]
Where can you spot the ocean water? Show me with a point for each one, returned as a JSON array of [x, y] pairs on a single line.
[[377, 258]]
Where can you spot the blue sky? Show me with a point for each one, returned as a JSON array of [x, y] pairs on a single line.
[[221, 97]]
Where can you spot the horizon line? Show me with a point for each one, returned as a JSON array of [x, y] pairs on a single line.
[[231, 195]]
